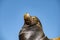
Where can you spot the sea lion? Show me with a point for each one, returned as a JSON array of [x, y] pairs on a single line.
[[32, 29]]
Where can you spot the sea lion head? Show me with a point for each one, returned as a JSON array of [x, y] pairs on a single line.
[[30, 20]]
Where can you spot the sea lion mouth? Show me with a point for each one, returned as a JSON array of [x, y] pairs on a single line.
[[27, 18]]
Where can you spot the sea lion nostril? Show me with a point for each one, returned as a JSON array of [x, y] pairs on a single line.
[[26, 16]]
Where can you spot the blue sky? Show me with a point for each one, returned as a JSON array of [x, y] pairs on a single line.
[[12, 11]]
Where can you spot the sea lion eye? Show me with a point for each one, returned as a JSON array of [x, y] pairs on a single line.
[[33, 17]]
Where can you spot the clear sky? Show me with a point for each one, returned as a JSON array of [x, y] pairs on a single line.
[[12, 11]]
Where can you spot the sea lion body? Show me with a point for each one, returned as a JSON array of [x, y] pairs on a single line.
[[32, 29]]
